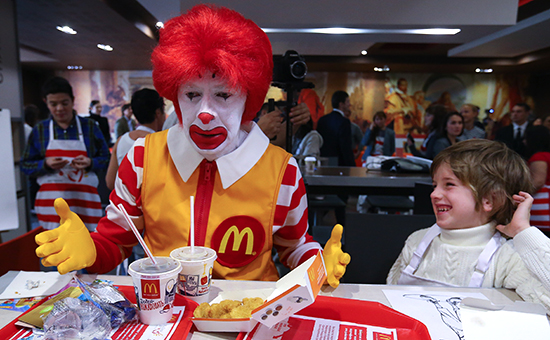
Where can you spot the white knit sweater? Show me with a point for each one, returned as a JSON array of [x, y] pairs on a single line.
[[522, 264]]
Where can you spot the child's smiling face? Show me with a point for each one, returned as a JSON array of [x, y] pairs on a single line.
[[454, 203]]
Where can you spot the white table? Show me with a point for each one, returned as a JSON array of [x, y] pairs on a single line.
[[350, 291]]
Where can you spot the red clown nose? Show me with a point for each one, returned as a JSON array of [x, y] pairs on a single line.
[[205, 117]]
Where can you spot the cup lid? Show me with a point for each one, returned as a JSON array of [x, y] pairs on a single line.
[[310, 159], [146, 266], [199, 254]]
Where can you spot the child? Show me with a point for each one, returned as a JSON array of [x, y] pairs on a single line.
[[474, 184]]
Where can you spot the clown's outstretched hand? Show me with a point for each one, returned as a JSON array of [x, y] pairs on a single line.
[[335, 259], [70, 246]]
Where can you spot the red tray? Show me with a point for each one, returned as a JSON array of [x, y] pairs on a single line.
[[365, 312], [13, 332]]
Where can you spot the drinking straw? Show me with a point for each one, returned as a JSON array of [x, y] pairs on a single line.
[[192, 226], [136, 232]]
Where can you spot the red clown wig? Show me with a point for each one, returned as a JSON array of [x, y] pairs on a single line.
[[219, 40]]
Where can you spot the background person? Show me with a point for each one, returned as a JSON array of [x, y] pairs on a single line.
[[148, 107], [63, 153], [356, 136], [449, 132], [273, 123], [469, 113], [537, 143], [31, 114], [432, 120], [378, 139], [95, 114], [306, 141], [125, 123], [269, 122], [513, 135], [335, 129]]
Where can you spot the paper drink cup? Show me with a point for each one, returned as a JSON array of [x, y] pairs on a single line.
[[310, 162], [196, 271], [155, 287]]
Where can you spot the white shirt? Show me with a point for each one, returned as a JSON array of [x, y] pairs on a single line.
[[522, 128], [339, 111]]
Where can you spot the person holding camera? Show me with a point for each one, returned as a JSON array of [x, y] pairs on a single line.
[[273, 123]]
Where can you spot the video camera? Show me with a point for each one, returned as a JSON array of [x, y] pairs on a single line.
[[289, 68], [289, 72]]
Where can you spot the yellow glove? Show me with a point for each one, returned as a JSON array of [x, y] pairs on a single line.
[[70, 246], [335, 259]]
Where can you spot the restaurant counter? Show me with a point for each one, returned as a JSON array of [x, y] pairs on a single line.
[[349, 291]]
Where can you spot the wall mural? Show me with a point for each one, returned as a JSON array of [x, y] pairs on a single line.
[[403, 96], [112, 88]]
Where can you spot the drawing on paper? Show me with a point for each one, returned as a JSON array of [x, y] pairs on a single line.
[[449, 310]]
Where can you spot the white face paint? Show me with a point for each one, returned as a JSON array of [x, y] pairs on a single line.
[[211, 115]]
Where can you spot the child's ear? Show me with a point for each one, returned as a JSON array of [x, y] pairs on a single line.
[[487, 203]]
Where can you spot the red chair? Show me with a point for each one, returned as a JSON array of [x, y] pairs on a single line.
[[18, 254]]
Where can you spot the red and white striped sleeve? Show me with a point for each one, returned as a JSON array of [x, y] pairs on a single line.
[[290, 225], [114, 238]]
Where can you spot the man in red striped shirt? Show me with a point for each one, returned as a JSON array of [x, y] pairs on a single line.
[[216, 67]]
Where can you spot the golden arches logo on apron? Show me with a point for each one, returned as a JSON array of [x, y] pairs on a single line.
[[238, 240]]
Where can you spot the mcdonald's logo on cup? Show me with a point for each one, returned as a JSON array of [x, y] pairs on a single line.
[[150, 289], [238, 240]]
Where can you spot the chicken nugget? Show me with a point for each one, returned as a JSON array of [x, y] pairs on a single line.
[[253, 303], [203, 311], [241, 312], [228, 305], [217, 311]]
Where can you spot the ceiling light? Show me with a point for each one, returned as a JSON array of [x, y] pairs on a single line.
[[159, 25], [66, 29], [382, 69], [484, 70], [364, 52], [71, 67], [107, 48], [435, 31], [345, 30], [336, 30]]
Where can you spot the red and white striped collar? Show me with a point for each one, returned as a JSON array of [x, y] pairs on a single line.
[[231, 167]]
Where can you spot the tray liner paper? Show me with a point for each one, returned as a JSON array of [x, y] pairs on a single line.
[[365, 312], [10, 330]]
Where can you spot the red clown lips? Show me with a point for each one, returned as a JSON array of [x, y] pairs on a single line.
[[207, 140]]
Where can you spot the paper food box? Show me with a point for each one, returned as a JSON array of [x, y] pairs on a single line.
[[294, 292]]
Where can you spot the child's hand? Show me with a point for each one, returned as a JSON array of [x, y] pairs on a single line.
[[520, 220]]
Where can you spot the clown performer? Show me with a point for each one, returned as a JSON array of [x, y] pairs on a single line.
[[216, 67]]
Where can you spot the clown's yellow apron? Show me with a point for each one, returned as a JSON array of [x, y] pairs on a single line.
[[237, 222]]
